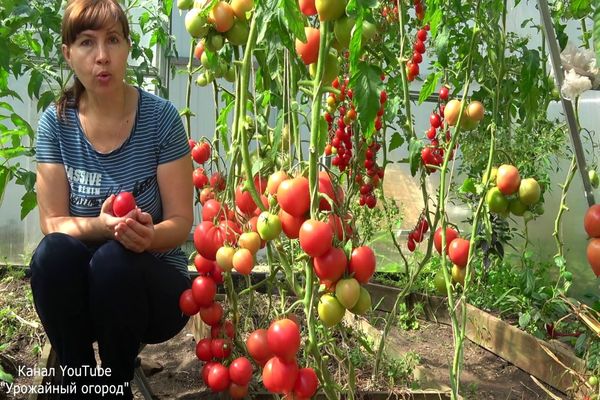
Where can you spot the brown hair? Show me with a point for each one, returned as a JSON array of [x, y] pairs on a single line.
[[81, 15]]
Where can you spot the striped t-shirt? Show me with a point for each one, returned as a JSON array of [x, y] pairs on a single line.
[[157, 137]]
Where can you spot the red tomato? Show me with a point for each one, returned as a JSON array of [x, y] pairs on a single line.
[[206, 194], [218, 378], [203, 350], [451, 234], [243, 198], [257, 345], [187, 305], [593, 255], [458, 251], [208, 238], [290, 224], [201, 151], [223, 329], [123, 204], [199, 178], [283, 338], [336, 226], [293, 196], [315, 237], [212, 314], [362, 263], [279, 376], [204, 290], [220, 348], [217, 275], [206, 370], [331, 265], [591, 221], [308, 7], [240, 371], [203, 265], [309, 51], [238, 391], [211, 209], [326, 187], [306, 383], [217, 181], [508, 179]]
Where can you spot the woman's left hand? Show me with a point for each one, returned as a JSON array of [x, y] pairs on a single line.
[[136, 234]]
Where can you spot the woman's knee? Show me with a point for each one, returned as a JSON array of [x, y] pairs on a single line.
[[112, 264], [59, 254]]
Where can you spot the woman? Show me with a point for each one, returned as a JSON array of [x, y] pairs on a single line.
[[95, 276]]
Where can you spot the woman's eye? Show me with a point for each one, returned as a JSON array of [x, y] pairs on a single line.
[[86, 42]]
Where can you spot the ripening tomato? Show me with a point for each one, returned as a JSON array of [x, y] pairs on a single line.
[[212, 314], [225, 258], [283, 338], [243, 261], [221, 347], [362, 263], [250, 241], [331, 265], [330, 311], [203, 349], [315, 237], [591, 221], [187, 305], [201, 151], [347, 291], [290, 224], [204, 290], [309, 51], [218, 378], [458, 251], [508, 179], [257, 346], [206, 193], [451, 111], [593, 255], [330, 10], [451, 234], [223, 329], [123, 203], [307, 7], [222, 16], [306, 383], [241, 7], [275, 180], [279, 376], [198, 51], [240, 371]]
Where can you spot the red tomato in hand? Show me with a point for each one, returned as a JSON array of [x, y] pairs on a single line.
[[362, 263], [123, 203], [283, 338]]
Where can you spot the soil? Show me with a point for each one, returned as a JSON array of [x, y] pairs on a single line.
[[173, 371]]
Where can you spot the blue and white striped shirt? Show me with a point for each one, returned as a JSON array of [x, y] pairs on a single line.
[[157, 137]]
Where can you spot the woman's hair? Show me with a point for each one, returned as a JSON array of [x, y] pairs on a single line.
[[81, 15]]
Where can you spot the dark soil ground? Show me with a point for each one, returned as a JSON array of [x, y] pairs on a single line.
[[174, 372]]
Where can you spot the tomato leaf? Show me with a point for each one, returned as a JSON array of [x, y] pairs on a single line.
[[468, 186], [596, 31], [581, 8], [429, 86], [395, 141], [293, 20], [28, 203], [441, 46], [367, 86], [5, 174], [414, 155]]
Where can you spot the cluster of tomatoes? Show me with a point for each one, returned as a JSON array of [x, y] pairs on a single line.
[[389, 11], [275, 350], [418, 233], [591, 223], [433, 154], [201, 152], [457, 249], [340, 138], [412, 66], [509, 193]]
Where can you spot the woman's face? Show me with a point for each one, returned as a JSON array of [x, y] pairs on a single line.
[[99, 58]]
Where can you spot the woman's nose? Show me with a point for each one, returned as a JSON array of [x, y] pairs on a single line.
[[102, 55]]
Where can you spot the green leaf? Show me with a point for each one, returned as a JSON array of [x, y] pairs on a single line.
[[45, 99], [441, 46], [395, 141], [559, 261], [28, 203], [223, 125], [468, 186], [367, 86], [5, 376], [293, 18], [524, 320], [256, 166], [414, 155], [530, 65], [596, 31], [5, 174], [429, 86], [580, 8], [35, 82], [355, 46]]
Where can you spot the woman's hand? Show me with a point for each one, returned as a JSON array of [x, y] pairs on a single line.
[[136, 231]]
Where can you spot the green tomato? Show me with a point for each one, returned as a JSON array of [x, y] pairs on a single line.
[[201, 80], [493, 174], [195, 24], [593, 380], [330, 10], [369, 30], [439, 282], [496, 201], [330, 311], [238, 34], [342, 29], [268, 225], [347, 291], [331, 68], [230, 74], [517, 207], [204, 60], [214, 42], [529, 191], [594, 179], [185, 4], [363, 304]]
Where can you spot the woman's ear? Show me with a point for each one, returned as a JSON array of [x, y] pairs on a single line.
[[66, 54]]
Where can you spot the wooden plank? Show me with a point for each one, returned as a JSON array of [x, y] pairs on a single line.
[[509, 342]]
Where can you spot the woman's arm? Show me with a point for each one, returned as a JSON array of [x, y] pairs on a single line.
[[53, 202]]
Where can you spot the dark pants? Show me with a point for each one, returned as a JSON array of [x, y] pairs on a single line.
[[109, 294]]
